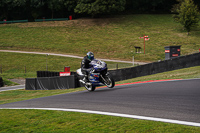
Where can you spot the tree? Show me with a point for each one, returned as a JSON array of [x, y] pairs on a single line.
[[70, 4], [188, 14], [155, 3], [94, 7], [32, 8], [7, 6], [54, 5]]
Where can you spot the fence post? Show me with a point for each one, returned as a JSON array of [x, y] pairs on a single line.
[[116, 66], [25, 68], [47, 62]]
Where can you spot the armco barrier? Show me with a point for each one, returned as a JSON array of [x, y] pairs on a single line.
[[15, 21], [156, 67], [1, 82], [55, 19], [36, 20]]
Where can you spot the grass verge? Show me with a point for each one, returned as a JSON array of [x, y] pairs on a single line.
[[12, 121]]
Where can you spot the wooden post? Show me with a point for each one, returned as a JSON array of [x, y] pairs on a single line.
[[1, 69], [25, 68], [144, 43]]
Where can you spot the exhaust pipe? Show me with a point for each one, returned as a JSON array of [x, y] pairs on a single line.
[[85, 83], [82, 81]]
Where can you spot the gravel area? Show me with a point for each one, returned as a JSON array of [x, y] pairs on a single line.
[[19, 81]]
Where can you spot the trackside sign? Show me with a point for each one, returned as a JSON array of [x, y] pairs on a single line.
[[65, 73]]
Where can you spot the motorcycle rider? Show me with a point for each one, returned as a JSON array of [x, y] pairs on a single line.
[[85, 65]]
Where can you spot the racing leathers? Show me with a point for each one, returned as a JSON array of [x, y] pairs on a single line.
[[85, 67]]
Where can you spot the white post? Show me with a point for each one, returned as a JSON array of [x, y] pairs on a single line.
[[133, 60]]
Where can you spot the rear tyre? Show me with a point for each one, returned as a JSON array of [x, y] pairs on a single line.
[[90, 87]]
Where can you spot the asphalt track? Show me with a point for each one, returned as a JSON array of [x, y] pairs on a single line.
[[173, 100], [17, 87]]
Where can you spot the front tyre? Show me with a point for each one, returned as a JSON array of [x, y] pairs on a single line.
[[108, 81]]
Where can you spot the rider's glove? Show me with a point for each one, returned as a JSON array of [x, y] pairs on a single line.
[[92, 70]]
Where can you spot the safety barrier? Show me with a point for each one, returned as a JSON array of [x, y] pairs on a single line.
[[156, 67], [118, 75], [55, 19], [36, 20], [15, 21], [1, 82], [51, 83], [47, 74]]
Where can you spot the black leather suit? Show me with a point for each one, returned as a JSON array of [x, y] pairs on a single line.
[[85, 66]]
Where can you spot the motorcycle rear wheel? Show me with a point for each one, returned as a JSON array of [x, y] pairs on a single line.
[[90, 87]]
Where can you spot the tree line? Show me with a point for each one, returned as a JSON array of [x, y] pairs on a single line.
[[37, 9]]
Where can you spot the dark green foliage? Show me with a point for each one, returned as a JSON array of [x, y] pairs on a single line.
[[188, 14], [94, 7], [37, 9]]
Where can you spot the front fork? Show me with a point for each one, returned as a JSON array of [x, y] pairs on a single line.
[[104, 81]]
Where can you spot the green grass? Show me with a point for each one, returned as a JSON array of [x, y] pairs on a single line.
[[15, 121], [107, 37], [19, 63], [20, 95]]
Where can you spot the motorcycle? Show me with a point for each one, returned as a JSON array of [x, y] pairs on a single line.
[[98, 76]]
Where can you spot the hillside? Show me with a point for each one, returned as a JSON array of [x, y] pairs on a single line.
[[112, 38]]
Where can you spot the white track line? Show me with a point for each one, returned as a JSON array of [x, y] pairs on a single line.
[[119, 115]]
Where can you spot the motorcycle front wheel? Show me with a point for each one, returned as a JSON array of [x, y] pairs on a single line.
[[108, 81]]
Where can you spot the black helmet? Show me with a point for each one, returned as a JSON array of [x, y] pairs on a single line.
[[90, 56]]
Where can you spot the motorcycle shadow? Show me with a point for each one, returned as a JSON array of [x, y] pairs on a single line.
[[106, 89]]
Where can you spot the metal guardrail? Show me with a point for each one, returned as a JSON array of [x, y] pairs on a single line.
[[36, 20], [55, 19], [15, 21]]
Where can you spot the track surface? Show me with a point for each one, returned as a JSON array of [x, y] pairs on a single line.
[[177, 100], [12, 88]]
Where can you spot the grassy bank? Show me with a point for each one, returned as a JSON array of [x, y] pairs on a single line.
[[112, 38]]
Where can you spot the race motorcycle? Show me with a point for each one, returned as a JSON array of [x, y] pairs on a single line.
[[98, 76]]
